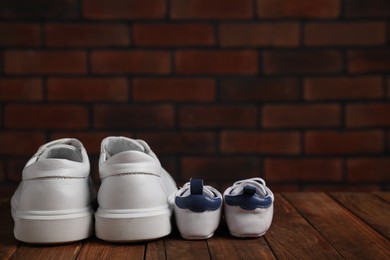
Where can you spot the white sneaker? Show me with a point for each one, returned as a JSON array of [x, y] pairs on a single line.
[[52, 202], [197, 210], [136, 194], [249, 207]]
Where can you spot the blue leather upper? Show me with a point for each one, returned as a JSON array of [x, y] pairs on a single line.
[[197, 201], [249, 200]]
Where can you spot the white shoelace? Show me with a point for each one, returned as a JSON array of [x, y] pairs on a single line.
[[258, 183], [207, 190]]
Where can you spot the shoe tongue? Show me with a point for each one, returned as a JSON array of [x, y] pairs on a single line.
[[61, 151], [196, 186], [120, 145], [207, 192], [249, 188]]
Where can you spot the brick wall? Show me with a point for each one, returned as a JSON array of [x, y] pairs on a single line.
[[295, 91]]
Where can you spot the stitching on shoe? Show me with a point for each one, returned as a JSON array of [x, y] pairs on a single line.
[[57, 177], [134, 173]]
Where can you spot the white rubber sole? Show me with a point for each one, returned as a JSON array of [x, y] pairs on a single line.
[[197, 225], [247, 235], [248, 223], [132, 225], [53, 229]]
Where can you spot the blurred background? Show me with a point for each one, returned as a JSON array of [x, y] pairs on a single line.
[[294, 91]]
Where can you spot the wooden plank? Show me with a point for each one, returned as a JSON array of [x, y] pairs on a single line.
[[186, 249], [57, 252], [224, 246], [155, 250], [179, 248], [8, 244], [289, 227], [98, 249], [383, 195], [367, 206], [347, 233]]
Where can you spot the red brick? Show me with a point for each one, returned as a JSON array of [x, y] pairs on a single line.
[[260, 142], [15, 168], [280, 187], [388, 141], [302, 62], [87, 89], [220, 168], [28, 89], [7, 190], [180, 142], [218, 116], [303, 170], [388, 87], [170, 165], [137, 62], [172, 34], [20, 34], [302, 115], [217, 9], [39, 9], [2, 171], [124, 9], [344, 88], [217, 62], [90, 140], [46, 117], [86, 35], [284, 34], [344, 143], [367, 8], [45, 62], [369, 60], [260, 89], [173, 89], [369, 170], [298, 8], [133, 116], [368, 115], [345, 33], [341, 188], [20, 143]]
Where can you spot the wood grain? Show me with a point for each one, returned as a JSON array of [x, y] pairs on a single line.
[[346, 232], [367, 206], [178, 248], [156, 250], [233, 248], [383, 195], [98, 249], [292, 237], [58, 252], [224, 246]]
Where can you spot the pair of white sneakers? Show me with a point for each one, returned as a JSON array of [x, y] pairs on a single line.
[[248, 209], [52, 204]]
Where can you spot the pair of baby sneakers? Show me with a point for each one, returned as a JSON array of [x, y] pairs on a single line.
[[248, 209]]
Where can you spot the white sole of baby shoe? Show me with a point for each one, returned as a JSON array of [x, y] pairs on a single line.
[[197, 225], [248, 223]]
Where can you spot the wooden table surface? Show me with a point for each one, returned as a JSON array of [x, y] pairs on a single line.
[[305, 226]]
